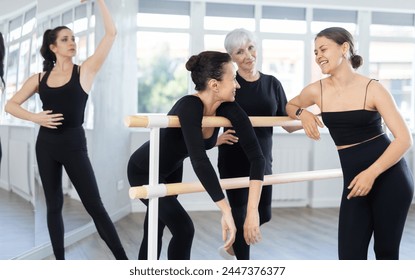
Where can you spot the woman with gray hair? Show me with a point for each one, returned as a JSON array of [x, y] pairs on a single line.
[[259, 95]]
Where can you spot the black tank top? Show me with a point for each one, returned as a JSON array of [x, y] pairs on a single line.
[[69, 99], [354, 126]]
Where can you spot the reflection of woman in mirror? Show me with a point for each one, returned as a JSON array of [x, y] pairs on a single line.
[[2, 83], [63, 88]]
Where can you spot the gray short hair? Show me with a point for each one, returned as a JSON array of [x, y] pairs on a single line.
[[237, 38]]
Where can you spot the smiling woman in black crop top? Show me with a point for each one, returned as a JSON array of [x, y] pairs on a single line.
[[214, 76], [378, 185], [61, 143]]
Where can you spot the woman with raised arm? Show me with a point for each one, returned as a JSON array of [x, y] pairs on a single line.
[[378, 185], [214, 76], [63, 88]]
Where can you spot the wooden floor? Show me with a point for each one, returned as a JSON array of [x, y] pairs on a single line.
[[292, 234], [17, 225]]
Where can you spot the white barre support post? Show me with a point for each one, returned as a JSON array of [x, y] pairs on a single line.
[[154, 201], [155, 122]]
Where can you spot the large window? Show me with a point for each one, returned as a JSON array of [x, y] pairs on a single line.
[[392, 57], [386, 24], [284, 59], [285, 40], [395, 70], [20, 41], [169, 31], [162, 50], [229, 16], [161, 73], [283, 20]]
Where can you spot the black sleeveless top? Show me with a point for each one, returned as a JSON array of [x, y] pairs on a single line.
[[354, 126], [69, 99]]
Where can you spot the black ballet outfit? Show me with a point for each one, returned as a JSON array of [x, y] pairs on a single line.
[[381, 213], [66, 147], [176, 144], [264, 97]]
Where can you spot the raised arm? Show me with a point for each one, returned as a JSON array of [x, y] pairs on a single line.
[[92, 64]]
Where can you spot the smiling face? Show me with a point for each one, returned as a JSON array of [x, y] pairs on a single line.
[[65, 44], [329, 55], [228, 85], [245, 56]]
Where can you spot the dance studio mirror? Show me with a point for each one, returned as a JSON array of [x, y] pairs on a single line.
[[23, 215]]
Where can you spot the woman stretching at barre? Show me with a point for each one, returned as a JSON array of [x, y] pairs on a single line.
[[214, 77]]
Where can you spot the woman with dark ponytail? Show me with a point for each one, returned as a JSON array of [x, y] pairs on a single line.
[[63, 88], [214, 77]]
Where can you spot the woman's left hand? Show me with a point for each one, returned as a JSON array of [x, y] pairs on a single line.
[[228, 229], [228, 137], [361, 185], [252, 233], [311, 123]]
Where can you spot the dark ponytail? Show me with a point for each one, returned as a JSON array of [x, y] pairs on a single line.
[[49, 38], [207, 65]]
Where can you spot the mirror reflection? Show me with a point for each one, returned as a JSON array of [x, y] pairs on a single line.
[[22, 198], [17, 190]]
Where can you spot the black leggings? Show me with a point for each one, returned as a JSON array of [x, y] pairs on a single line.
[[382, 212], [238, 200], [67, 148], [170, 213]]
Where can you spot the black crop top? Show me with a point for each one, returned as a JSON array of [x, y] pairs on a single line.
[[69, 99], [354, 126]]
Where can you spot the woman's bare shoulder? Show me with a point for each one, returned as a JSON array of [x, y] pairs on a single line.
[[313, 88]]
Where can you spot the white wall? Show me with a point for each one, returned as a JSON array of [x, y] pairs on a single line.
[[18, 158]]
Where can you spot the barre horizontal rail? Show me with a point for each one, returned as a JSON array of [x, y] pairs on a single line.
[[232, 183], [162, 120]]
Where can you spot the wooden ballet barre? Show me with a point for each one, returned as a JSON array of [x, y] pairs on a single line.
[[162, 120], [161, 190]]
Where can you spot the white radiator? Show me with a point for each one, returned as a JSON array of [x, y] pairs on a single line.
[[19, 168], [291, 159]]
